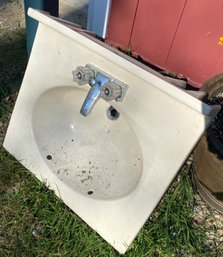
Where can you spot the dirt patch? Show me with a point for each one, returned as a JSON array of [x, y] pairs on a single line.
[[12, 14]]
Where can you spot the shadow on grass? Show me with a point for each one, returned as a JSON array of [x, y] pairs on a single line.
[[77, 16], [13, 60]]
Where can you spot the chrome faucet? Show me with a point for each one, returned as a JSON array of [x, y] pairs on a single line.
[[102, 86]]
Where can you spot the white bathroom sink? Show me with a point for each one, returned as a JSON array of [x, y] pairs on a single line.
[[113, 166]]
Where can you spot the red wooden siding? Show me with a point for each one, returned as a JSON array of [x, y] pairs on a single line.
[[154, 29], [177, 35], [121, 22]]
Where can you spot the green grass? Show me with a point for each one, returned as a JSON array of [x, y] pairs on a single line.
[[34, 222]]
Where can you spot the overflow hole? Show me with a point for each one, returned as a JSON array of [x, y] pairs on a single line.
[[49, 157], [112, 113]]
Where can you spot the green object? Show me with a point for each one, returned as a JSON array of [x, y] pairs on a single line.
[[31, 24]]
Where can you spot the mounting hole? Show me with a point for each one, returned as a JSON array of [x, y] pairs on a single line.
[[90, 192], [49, 157], [112, 113]]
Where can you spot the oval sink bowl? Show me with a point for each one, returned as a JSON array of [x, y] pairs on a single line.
[[96, 156]]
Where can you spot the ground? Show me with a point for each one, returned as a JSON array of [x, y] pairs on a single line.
[[34, 222]]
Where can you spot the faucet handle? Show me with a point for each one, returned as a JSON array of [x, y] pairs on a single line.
[[82, 75], [110, 91]]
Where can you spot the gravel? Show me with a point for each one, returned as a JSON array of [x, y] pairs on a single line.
[[11, 14]]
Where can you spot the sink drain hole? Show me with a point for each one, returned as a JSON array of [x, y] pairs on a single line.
[[112, 113], [90, 192]]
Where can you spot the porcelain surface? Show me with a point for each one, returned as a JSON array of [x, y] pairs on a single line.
[[95, 156]]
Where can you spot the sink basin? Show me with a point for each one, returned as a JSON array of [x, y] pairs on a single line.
[[112, 167], [104, 162]]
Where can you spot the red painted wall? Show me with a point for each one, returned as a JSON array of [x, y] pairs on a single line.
[[177, 35], [154, 28], [195, 51], [122, 17]]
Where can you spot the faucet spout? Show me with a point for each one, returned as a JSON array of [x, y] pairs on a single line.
[[91, 99], [94, 93]]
